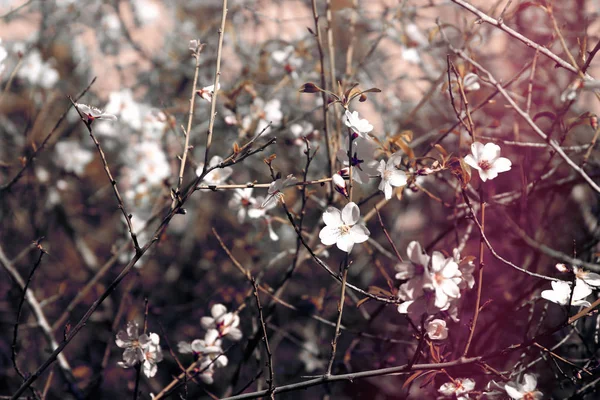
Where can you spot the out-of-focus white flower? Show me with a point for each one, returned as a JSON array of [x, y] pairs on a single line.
[[143, 349], [207, 92], [148, 163], [218, 175], [271, 113], [93, 113], [360, 127], [436, 329], [411, 55], [524, 391], [419, 261], [486, 159], [3, 55], [246, 205], [288, 59], [226, 323], [145, 11], [121, 103], [154, 125], [72, 157], [339, 184], [38, 72], [457, 387], [363, 164], [390, 176], [445, 278], [561, 293], [272, 235], [275, 190], [571, 92], [342, 227], [309, 355], [471, 82]]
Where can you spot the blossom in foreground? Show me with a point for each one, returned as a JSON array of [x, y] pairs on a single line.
[[225, 323], [342, 227], [361, 127], [590, 278], [524, 391], [207, 92], [486, 159], [93, 113], [209, 347], [436, 329], [457, 387], [217, 175], [561, 293], [275, 190], [445, 279], [144, 349], [390, 176]]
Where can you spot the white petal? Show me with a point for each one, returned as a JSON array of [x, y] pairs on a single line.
[[502, 164], [470, 160], [207, 322], [359, 233], [512, 391], [350, 214], [329, 235], [333, 217], [218, 311], [398, 178], [387, 189], [345, 243], [477, 150], [530, 383], [491, 151]]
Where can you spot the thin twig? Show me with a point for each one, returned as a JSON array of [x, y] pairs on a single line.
[[530, 43], [113, 182], [213, 102], [480, 265], [271, 380], [188, 129]]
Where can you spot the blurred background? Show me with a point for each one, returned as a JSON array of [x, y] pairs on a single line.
[[54, 191]]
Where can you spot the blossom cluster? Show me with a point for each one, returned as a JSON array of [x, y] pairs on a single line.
[[208, 352], [432, 284], [139, 349]]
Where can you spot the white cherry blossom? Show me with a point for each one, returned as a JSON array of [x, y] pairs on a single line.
[[525, 390], [342, 227], [360, 127], [225, 323], [275, 190], [363, 164], [246, 205], [590, 278], [390, 176], [208, 92], [419, 261], [561, 293], [486, 159], [457, 387], [445, 279], [436, 329], [93, 113], [143, 349]]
